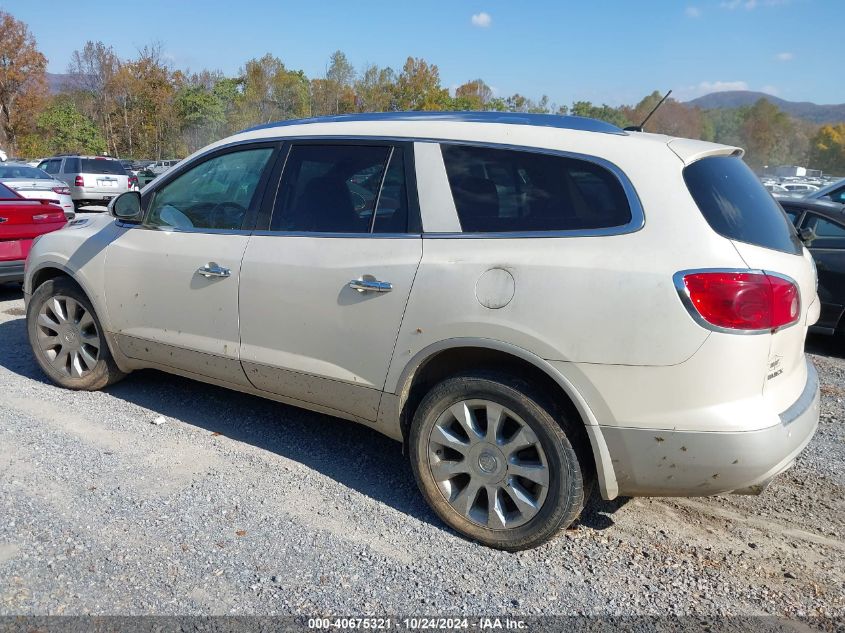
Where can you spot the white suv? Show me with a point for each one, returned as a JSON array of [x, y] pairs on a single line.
[[530, 303]]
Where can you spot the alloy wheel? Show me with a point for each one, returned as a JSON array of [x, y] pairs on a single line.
[[67, 336], [488, 464]]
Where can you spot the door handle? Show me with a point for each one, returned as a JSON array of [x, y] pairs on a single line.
[[370, 285], [213, 270]]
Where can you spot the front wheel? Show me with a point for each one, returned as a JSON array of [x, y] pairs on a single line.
[[494, 463], [67, 339]]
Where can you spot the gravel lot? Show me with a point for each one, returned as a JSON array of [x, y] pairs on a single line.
[[236, 505]]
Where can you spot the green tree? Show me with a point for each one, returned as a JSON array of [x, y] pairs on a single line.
[[603, 112], [66, 129]]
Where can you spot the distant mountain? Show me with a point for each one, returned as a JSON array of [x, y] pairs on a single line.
[[805, 110], [56, 83]]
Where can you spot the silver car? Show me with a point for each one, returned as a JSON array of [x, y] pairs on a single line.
[[91, 179], [37, 184]]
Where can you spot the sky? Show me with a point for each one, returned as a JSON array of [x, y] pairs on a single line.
[[604, 51]]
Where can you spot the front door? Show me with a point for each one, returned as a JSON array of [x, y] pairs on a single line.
[[172, 282], [324, 289]]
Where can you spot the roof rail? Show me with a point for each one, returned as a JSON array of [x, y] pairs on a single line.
[[567, 122]]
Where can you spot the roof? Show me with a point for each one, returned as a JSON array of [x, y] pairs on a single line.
[[822, 206], [508, 118]]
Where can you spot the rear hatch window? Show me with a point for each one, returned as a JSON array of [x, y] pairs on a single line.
[[101, 166], [737, 206]]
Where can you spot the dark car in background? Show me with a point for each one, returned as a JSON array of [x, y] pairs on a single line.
[[821, 225]]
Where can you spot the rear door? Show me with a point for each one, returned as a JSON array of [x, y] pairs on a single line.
[[324, 288], [172, 282], [828, 249]]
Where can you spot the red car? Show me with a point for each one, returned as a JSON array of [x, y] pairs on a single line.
[[21, 221]]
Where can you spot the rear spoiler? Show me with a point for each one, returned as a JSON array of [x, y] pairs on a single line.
[[689, 150]]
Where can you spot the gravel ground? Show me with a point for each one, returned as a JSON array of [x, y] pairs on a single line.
[[237, 505]]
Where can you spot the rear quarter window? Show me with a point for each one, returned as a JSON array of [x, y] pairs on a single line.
[[503, 190], [737, 206]]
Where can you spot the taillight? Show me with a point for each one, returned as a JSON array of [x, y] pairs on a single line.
[[78, 182], [64, 190], [752, 301], [133, 181], [48, 217]]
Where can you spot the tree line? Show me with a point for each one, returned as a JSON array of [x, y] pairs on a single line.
[[143, 107]]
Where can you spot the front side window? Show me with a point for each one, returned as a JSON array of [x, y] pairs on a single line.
[[50, 166], [342, 189], [216, 194], [827, 234], [502, 190]]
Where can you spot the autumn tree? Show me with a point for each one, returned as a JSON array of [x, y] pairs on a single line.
[[375, 89], [418, 87], [22, 77], [765, 134], [270, 92], [473, 95], [672, 118], [92, 73], [827, 149]]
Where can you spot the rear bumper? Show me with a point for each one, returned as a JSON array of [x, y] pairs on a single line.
[[657, 462], [11, 271]]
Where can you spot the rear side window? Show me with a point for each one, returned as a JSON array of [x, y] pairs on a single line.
[[342, 189], [737, 206], [102, 166], [500, 190], [71, 166]]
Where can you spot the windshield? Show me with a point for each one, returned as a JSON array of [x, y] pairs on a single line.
[[6, 193], [22, 172]]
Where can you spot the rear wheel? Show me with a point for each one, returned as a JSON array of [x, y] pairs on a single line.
[[494, 463], [67, 338]]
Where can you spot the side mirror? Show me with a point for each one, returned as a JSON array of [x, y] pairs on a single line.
[[807, 235], [126, 206]]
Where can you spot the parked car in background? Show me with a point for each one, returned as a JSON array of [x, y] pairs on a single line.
[[821, 225], [834, 192], [775, 188], [21, 221], [799, 188], [504, 293], [92, 180], [34, 183], [3, 156], [161, 166]]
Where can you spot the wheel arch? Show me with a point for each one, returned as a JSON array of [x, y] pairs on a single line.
[[451, 356], [45, 271]]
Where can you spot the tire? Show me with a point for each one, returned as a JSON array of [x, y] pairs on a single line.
[[440, 447], [88, 364]]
